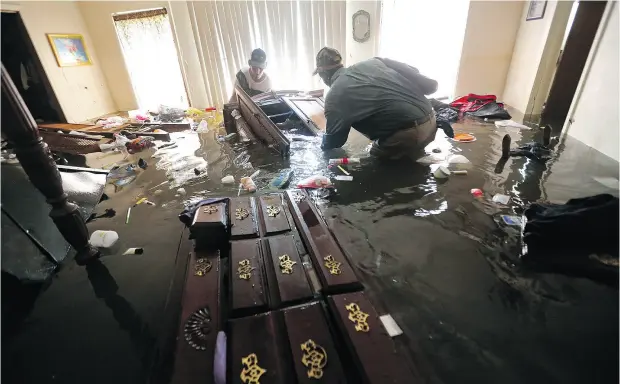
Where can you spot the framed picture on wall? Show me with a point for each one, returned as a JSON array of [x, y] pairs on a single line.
[[536, 10], [70, 50]]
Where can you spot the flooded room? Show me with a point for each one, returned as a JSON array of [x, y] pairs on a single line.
[[310, 191]]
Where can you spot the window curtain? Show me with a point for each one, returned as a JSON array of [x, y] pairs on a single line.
[[427, 35], [290, 32], [151, 58]]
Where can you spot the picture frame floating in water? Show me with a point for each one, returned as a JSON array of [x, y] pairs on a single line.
[[536, 10], [69, 49]]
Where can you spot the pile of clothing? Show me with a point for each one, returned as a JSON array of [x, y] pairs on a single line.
[[482, 106], [582, 235], [444, 112], [533, 151], [444, 115]]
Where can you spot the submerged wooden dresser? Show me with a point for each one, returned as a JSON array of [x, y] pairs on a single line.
[[287, 297]]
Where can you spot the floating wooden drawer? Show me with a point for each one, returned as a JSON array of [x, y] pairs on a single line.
[[287, 279], [195, 348], [372, 349], [273, 215], [210, 226], [332, 267], [258, 350], [248, 290], [244, 218], [311, 342]]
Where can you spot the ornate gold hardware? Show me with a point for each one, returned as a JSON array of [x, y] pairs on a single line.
[[332, 265], [358, 317], [245, 269], [202, 267], [197, 329], [241, 213], [286, 264], [210, 209], [251, 372], [273, 211], [314, 358]]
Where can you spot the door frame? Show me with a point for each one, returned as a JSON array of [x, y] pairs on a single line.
[[566, 76], [609, 9]]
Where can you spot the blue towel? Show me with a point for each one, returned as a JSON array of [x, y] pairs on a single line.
[[282, 180]]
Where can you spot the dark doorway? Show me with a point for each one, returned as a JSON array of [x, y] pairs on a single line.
[[23, 65], [572, 61]]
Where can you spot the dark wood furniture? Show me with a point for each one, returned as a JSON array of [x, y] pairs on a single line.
[[260, 124], [280, 325], [20, 129]]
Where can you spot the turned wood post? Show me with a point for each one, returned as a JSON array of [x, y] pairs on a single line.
[[20, 129]]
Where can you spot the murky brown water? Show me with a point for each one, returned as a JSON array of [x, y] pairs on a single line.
[[440, 260]]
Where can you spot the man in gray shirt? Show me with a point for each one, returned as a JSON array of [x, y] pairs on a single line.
[[381, 98]]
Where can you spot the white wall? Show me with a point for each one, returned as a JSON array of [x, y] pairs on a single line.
[[355, 51], [490, 37], [594, 111], [81, 91], [526, 58], [98, 17]]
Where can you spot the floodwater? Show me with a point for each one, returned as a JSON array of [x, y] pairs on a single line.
[[436, 258], [440, 261]]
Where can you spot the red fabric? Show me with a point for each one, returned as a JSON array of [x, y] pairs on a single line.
[[473, 102]]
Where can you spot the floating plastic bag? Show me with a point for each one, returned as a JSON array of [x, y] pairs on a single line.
[[111, 122], [458, 159], [316, 181], [431, 159], [510, 123], [203, 127], [103, 239], [170, 114]]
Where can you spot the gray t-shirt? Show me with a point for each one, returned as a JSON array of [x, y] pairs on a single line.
[[377, 97]]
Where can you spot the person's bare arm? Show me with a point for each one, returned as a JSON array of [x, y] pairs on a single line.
[[428, 86]]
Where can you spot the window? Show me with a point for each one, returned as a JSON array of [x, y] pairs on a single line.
[[427, 35], [151, 58]]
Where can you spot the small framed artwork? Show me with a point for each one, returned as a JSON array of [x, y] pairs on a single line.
[[536, 10], [70, 50]]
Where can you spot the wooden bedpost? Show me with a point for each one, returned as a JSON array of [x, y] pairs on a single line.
[[20, 129]]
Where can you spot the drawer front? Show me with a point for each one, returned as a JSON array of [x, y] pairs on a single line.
[[373, 350], [199, 323], [244, 218], [314, 354], [248, 291], [273, 215], [332, 267], [289, 283], [258, 350], [210, 226]]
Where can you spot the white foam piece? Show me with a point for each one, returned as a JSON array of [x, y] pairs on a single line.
[[390, 325], [344, 178]]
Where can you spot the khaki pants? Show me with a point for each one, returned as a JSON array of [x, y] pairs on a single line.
[[406, 142]]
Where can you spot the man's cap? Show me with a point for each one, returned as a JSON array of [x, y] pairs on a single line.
[[326, 59], [258, 59]]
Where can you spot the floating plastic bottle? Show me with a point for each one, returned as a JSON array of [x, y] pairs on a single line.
[[345, 160], [248, 184]]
